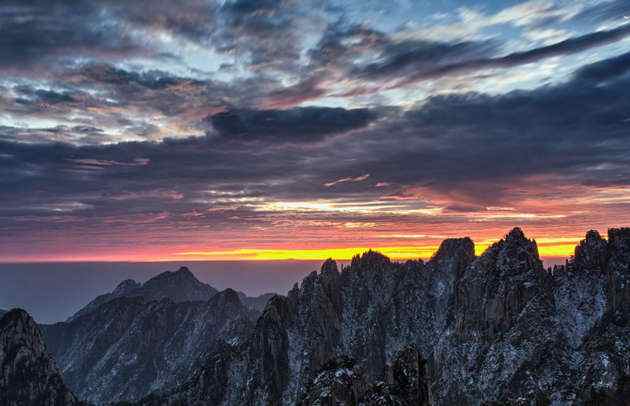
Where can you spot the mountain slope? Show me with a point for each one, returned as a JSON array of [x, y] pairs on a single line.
[[130, 346], [28, 375], [497, 329], [369, 312]]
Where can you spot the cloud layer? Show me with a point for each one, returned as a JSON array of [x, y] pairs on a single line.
[[140, 130]]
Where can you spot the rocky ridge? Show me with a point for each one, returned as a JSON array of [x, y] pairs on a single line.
[[130, 346], [498, 329], [28, 375], [178, 286]]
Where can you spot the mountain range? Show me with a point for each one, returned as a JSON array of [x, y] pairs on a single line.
[[497, 329]]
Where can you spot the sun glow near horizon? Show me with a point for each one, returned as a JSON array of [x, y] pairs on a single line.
[[548, 247]]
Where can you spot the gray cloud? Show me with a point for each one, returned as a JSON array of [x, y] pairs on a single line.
[[305, 124], [475, 144], [606, 69], [566, 47]]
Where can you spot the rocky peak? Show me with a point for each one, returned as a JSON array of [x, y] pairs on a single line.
[[329, 266], [179, 286], [515, 253], [619, 241], [20, 329], [183, 274], [370, 260], [278, 310], [516, 235], [591, 253], [618, 269], [228, 297], [454, 255], [28, 375], [452, 247], [125, 287]]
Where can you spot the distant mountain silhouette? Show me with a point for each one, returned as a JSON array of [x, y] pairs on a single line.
[[178, 286], [140, 338]]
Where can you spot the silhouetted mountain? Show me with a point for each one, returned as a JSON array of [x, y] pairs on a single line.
[[494, 330], [178, 286], [28, 375]]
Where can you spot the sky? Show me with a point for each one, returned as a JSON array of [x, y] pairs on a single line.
[[280, 129]]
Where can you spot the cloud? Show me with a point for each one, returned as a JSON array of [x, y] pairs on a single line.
[[605, 11], [33, 31], [346, 180], [304, 124], [182, 122], [408, 58], [566, 47], [606, 69]]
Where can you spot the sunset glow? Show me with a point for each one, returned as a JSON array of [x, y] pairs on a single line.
[[243, 130]]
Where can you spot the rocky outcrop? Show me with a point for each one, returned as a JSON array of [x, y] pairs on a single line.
[[341, 381], [494, 330], [28, 375], [129, 347], [369, 311]]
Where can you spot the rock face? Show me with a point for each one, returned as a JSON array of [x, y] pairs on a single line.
[[28, 375], [368, 312], [498, 329], [130, 346], [257, 303]]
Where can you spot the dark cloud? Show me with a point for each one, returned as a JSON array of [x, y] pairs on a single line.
[[410, 58], [42, 95], [217, 150], [410, 62], [304, 124], [33, 31], [265, 34], [606, 69], [476, 144]]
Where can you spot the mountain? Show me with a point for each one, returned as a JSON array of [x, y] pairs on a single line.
[[498, 329], [28, 375], [130, 346], [178, 286], [2, 312]]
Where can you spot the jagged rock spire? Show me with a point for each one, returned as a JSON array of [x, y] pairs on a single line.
[[591, 253], [28, 375], [515, 235], [330, 265]]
